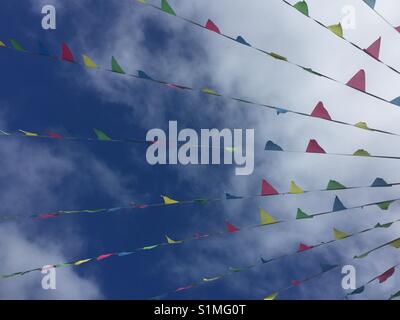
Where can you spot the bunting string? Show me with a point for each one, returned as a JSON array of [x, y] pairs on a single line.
[[357, 82], [267, 190], [265, 220], [338, 236], [372, 51], [314, 148], [319, 112]]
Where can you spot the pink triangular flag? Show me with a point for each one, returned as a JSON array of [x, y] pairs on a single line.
[[303, 247], [314, 147], [296, 282], [231, 228], [320, 112], [358, 81], [398, 29], [386, 275], [104, 256], [212, 26], [267, 189], [373, 49]]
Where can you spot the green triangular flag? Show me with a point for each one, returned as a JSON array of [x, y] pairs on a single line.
[[384, 205], [101, 135], [16, 45], [361, 153], [302, 7], [337, 29], [396, 295], [385, 225], [277, 56], [334, 185], [302, 215], [201, 201], [115, 67], [167, 8]]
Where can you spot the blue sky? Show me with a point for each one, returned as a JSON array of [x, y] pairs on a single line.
[[42, 176]]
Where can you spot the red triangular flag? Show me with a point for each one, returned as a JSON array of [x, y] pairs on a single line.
[[104, 256], [398, 29], [314, 147], [267, 189], [320, 112], [66, 53], [54, 135], [386, 275], [373, 49], [296, 282], [358, 81], [304, 247], [212, 26], [231, 228]]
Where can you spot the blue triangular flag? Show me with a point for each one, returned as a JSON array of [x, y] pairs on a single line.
[[371, 3], [272, 146], [242, 41], [231, 196], [357, 291], [42, 49], [326, 267], [143, 75], [396, 101], [338, 205], [280, 110], [379, 182], [265, 261], [122, 254]]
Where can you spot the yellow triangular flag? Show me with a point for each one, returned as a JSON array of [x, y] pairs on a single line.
[[168, 200], [337, 29], [339, 235], [29, 134], [88, 62], [141, 1], [2, 44], [272, 296], [362, 125], [170, 241], [266, 218], [77, 263], [395, 244], [294, 188]]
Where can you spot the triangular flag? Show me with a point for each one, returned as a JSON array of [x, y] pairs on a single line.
[[266, 218], [167, 8], [42, 49], [397, 29], [2, 44], [320, 112], [327, 267], [123, 254], [302, 215], [302, 7], [277, 56], [210, 91], [104, 256], [101, 135], [379, 182], [395, 243], [396, 101], [386, 275], [314, 147], [303, 247], [371, 3], [88, 62], [115, 67], [16, 45], [229, 196], [358, 81], [271, 296], [339, 235], [212, 26], [334, 185], [296, 282], [66, 53], [79, 262], [337, 29], [170, 241], [280, 111], [144, 75], [338, 205], [54, 135], [265, 261], [362, 125], [29, 134], [397, 294], [384, 205], [361, 153], [168, 200], [210, 279], [374, 48], [267, 189], [201, 201], [384, 225], [270, 146], [241, 40], [231, 228], [150, 247], [294, 188], [357, 291]]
